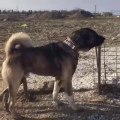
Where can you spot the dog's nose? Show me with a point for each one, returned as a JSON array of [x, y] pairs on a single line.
[[101, 38]]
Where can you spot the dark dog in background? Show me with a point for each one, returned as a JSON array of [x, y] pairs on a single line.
[[55, 59]]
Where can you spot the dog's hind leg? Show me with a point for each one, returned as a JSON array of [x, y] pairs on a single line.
[[13, 89], [24, 82], [5, 102], [6, 98], [25, 88]]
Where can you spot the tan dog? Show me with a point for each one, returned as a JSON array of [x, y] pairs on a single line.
[[55, 59]]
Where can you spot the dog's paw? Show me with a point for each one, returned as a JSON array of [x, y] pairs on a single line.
[[5, 102], [16, 116]]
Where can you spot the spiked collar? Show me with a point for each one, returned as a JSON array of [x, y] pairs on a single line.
[[70, 43]]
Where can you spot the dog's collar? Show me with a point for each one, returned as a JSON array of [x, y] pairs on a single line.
[[70, 43]]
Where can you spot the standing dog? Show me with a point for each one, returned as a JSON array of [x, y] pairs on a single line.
[[55, 59]]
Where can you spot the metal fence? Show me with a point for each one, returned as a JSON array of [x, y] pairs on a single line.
[[108, 64]]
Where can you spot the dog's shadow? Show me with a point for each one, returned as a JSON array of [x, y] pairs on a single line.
[[39, 110], [33, 94], [65, 113], [62, 113]]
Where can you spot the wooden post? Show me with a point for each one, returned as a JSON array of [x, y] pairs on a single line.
[[98, 58], [105, 77]]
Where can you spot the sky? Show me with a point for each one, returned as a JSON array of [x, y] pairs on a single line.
[[89, 5]]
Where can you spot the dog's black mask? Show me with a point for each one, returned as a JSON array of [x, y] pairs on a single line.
[[86, 38]]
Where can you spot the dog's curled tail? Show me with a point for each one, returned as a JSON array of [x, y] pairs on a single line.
[[17, 40]]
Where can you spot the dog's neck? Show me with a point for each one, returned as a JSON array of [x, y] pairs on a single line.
[[70, 43]]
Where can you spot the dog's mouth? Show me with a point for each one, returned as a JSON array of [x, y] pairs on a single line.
[[89, 48], [102, 39]]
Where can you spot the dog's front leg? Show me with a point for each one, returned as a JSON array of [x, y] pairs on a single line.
[[55, 92], [70, 96], [72, 102]]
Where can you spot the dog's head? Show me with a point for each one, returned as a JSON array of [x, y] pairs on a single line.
[[86, 38]]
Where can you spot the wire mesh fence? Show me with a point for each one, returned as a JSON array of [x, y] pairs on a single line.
[[110, 65]]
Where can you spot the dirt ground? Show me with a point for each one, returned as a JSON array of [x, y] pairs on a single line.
[[92, 106]]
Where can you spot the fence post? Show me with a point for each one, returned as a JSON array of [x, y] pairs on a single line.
[[98, 58]]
